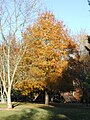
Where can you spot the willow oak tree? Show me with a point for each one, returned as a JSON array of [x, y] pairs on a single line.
[[49, 48], [14, 17]]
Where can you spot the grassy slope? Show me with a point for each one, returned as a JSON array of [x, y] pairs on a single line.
[[41, 112]]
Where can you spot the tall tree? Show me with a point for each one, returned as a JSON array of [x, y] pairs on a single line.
[[83, 61], [49, 48], [14, 17]]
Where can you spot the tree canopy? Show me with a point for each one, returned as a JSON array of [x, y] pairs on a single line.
[[49, 49]]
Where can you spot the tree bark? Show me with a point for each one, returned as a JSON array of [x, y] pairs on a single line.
[[3, 100], [46, 98], [9, 103], [2, 93]]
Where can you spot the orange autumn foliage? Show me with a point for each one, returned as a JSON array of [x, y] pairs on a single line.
[[28, 86], [48, 49]]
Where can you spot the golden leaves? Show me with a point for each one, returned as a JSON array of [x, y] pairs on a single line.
[[48, 47], [28, 86]]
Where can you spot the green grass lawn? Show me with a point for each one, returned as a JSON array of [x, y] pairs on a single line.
[[28, 111]]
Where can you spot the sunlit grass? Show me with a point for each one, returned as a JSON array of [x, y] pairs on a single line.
[[29, 111], [3, 105]]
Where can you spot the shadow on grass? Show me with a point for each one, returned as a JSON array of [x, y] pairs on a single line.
[[61, 112], [44, 113], [68, 111], [16, 104], [24, 115], [37, 115]]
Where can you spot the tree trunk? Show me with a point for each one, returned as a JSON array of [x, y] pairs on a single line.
[[46, 98], [2, 94], [9, 104], [3, 100]]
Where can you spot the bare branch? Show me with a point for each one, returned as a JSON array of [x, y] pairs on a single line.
[[15, 15]]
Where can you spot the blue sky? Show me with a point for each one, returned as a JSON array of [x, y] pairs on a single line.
[[74, 13]]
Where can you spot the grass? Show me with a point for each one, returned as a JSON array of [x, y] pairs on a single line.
[[28, 111]]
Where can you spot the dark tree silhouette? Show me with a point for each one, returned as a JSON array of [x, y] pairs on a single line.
[[87, 48], [88, 2]]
